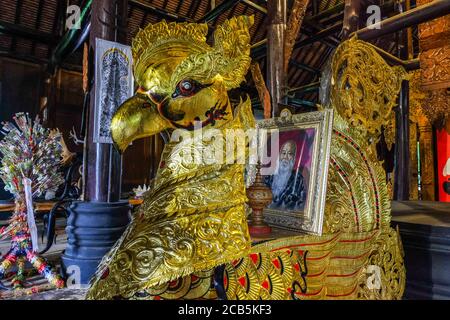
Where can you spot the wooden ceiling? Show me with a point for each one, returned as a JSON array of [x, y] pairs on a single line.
[[31, 29]]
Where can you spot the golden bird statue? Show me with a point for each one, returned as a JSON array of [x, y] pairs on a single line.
[[189, 239]]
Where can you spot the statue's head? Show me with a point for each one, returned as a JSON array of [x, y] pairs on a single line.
[[183, 81]]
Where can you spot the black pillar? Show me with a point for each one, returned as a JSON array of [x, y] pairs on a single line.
[[401, 164], [401, 167], [95, 224], [104, 163]]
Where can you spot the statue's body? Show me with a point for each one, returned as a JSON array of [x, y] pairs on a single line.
[[193, 220]]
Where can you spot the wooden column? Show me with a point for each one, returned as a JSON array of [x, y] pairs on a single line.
[[276, 78], [401, 164], [95, 225], [103, 171], [426, 160], [352, 10]]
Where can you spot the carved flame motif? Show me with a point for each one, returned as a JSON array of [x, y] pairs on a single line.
[[364, 87]]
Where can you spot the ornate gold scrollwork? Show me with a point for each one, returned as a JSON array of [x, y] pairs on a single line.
[[364, 87]]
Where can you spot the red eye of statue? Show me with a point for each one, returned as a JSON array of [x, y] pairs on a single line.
[[186, 88]]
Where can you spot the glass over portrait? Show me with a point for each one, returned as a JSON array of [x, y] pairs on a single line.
[[290, 181], [294, 153]]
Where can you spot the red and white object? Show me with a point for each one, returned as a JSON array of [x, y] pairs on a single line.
[[443, 157]]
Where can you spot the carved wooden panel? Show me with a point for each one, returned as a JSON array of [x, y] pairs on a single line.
[[435, 65], [434, 58]]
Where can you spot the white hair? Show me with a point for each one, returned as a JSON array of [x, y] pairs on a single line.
[[281, 176]]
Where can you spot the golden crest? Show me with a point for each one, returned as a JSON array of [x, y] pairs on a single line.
[[364, 87], [229, 57], [155, 39]]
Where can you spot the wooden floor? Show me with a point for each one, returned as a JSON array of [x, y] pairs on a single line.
[[421, 213], [61, 294]]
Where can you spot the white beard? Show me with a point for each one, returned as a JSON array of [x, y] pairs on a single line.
[[281, 177]]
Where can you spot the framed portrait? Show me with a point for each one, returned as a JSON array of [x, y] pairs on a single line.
[[294, 152]]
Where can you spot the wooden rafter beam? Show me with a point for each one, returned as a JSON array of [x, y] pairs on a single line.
[[61, 7], [336, 13], [418, 15], [319, 36], [191, 7], [178, 6], [27, 33], [303, 66], [37, 23], [4, 52], [311, 30], [218, 10], [300, 102], [16, 22], [260, 51], [232, 11], [306, 88], [144, 20], [158, 12], [336, 10], [255, 6], [315, 6]]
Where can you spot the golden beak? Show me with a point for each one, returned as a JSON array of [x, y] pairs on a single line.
[[136, 118]]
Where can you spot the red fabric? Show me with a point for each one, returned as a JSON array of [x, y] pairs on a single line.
[[443, 157], [267, 106]]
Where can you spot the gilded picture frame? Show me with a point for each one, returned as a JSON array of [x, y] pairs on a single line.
[[294, 152]]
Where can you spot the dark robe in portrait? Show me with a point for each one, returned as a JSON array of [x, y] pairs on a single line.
[[293, 197]]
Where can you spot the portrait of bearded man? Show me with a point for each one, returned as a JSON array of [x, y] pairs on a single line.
[[287, 182]]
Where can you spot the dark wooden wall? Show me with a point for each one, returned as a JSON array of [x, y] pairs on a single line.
[[140, 162], [67, 105], [20, 86]]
